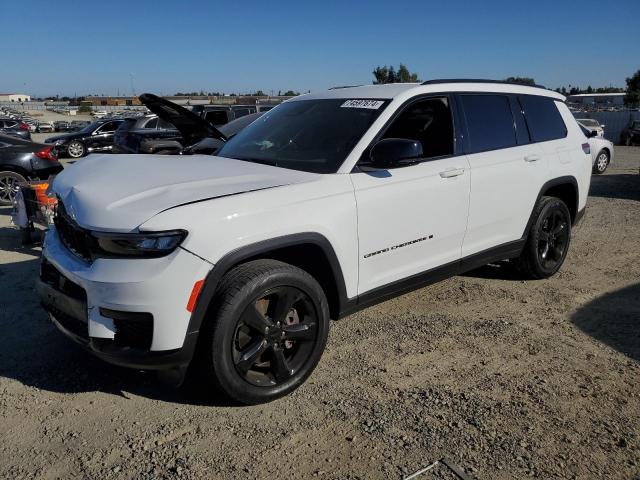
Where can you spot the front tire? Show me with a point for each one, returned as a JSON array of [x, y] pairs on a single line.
[[9, 186], [76, 149], [267, 331], [547, 241], [602, 162]]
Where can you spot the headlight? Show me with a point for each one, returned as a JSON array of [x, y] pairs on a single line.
[[156, 244]]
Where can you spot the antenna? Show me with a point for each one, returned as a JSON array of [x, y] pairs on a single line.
[[133, 88]]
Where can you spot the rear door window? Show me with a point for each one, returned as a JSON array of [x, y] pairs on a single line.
[[153, 123], [490, 124], [216, 117], [543, 118]]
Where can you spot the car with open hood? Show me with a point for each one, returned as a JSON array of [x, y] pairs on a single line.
[[234, 263]]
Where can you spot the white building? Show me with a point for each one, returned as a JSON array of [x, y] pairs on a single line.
[[14, 97], [597, 98]]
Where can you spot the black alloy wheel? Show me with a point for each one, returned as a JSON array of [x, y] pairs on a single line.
[[264, 333], [274, 336], [548, 239], [553, 239]]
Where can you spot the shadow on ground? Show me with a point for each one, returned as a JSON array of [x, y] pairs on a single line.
[[625, 186], [614, 319], [34, 353]]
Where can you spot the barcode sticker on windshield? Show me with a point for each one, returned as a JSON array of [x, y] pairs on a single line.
[[370, 104]]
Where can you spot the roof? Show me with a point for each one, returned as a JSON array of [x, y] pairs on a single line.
[[402, 91]]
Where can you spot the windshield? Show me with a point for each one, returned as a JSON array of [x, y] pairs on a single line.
[[310, 135]]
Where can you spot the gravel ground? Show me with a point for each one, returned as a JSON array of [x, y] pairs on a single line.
[[506, 378]]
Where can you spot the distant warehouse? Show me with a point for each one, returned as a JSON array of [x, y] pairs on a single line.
[[14, 97], [600, 99]]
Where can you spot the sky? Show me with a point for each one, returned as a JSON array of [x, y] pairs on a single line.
[[78, 48]]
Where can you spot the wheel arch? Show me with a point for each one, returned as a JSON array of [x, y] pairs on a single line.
[[566, 189], [15, 169], [309, 251]]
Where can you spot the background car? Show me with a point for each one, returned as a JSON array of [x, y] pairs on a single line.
[[631, 134], [45, 127], [14, 127], [95, 137], [222, 114], [146, 134], [593, 125], [601, 150], [22, 160]]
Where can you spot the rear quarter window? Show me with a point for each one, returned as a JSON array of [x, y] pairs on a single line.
[[543, 118], [490, 124]]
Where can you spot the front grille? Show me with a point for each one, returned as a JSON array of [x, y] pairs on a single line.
[[74, 237]]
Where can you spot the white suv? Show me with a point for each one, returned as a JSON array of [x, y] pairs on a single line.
[[326, 204]]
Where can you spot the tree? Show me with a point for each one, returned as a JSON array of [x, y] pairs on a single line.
[[290, 93], [521, 80], [632, 98], [259, 93], [388, 75]]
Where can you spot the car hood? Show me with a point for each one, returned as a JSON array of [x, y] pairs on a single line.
[[121, 192], [191, 126]]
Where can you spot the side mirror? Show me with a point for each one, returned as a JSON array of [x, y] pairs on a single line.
[[395, 152], [593, 133]]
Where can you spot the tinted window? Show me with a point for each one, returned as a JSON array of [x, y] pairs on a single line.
[[216, 117], [309, 135], [153, 123], [429, 122], [241, 112], [522, 132], [490, 123], [109, 127], [165, 125], [543, 118]]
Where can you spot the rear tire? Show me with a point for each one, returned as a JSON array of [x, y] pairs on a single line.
[[602, 162], [548, 240], [8, 186], [266, 333]]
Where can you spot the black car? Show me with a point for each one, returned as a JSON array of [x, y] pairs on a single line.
[[95, 137], [146, 134], [222, 114], [188, 129], [15, 128], [209, 146], [631, 134], [22, 160]]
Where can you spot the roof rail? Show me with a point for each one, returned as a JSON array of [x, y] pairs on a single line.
[[476, 80], [345, 86]]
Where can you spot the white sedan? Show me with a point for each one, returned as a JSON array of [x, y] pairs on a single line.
[[592, 125], [601, 150]]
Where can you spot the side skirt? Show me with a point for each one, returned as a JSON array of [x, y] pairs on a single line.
[[414, 282]]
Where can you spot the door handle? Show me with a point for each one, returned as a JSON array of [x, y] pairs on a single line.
[[532, 158], [451, 172]]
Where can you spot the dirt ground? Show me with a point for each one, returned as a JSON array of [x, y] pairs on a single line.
[[506, 378]]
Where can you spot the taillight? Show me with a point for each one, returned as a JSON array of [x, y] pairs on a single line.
[[23, 126], [586, 149], [47, 154]]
